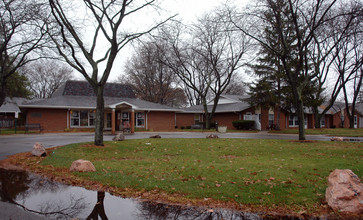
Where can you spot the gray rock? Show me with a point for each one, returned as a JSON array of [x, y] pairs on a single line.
[[119, 137], [337, 139], [39, 150], [212, 136], [344, 192]]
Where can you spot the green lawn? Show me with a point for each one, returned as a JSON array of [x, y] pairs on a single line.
[[257, 172], [12, 131], [346, 132]]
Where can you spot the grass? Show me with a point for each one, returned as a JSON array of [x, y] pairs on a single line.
[[255, 172], [346, 132], [12, 131]]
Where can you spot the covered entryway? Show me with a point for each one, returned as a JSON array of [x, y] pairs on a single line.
[[122, 117]]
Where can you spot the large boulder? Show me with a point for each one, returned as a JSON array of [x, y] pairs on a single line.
[[82, 166], [119, 137], [344, 192], [39, 150]]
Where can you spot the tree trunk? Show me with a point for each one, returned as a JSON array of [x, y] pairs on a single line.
[[317, 117], [351, 120], [278, 110], [2, 91], [100, 115], [300, 116]]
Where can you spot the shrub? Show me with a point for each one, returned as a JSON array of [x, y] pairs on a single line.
[[188, 127], [176, 126], [333, 126], [211, 125], [181, 127], [243, 124]]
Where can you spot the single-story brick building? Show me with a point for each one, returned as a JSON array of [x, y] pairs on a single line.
[[233, 107], [73, 106]]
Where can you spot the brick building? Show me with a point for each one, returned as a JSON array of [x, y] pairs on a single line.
[[73, 106]]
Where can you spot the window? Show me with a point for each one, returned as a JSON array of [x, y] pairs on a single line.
[[322, 122], [36, 114], [270, 119], [125, 117], [82, 118], [140, 119], [196, 119], [75, 118], [92, 117], [293, 121]]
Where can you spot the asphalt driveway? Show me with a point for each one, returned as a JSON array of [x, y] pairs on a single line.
[[13, 144]]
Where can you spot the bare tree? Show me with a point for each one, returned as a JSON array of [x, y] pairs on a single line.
[[45, 77], [296, 23], [206, 56], [352, 65], [21, 33], [236, 86], [331, 55], [151, 79], [108, 34]]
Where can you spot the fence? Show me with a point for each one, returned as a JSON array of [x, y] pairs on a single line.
[[7, 123]]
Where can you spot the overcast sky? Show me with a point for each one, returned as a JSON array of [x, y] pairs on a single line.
[[187, 10]]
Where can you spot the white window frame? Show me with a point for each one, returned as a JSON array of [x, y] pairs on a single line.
[[271, 121], [76, 115], [140, 116], [295, 121]]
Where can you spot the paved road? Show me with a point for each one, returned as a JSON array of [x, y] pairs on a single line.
[[13, 144]]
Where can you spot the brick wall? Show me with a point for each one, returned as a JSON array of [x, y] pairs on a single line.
[[225, 119], [161, 121], [264, 118], [185, 119], [49, 119]]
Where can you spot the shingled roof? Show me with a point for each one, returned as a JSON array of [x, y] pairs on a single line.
[[83, 88]]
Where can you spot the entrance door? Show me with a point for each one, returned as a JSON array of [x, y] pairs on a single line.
[[108, 121]]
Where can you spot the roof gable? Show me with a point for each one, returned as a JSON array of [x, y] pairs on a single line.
[[83, 88]]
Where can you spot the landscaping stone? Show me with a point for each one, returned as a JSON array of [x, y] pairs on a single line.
[[155, 136], [119, 137], [210, 136], [344, 192], [39, 150], [82, 166], [336, 139]]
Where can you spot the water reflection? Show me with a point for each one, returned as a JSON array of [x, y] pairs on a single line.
[[58, 201]]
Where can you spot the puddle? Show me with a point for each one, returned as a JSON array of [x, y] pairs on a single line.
[[59, 201]]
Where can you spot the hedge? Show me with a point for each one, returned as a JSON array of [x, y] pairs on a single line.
[[243, 124]]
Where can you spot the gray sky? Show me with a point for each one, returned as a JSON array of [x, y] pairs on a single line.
[[187, 10]]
